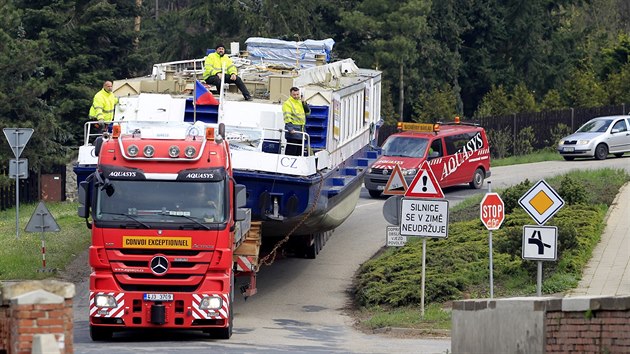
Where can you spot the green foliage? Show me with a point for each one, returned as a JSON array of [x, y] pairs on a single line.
[[572, 191], [523, 99], [552, 101], [618, 85], [436, 106], [495, 103], [500, 142], [558, 132], [583, 90], [457, 267], [524, 140]]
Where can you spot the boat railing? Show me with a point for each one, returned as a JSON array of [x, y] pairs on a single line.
[[305, 144], [92, 130]]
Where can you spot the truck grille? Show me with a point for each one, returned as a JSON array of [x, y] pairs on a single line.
[[183, 270]]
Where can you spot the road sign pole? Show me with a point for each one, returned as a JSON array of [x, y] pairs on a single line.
[[424, 257], [539, 279], [491, 266], [17, 206]]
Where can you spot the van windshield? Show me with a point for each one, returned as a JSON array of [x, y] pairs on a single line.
[[404, 146]]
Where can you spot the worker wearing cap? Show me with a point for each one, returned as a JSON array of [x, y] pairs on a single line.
[[218, 64]]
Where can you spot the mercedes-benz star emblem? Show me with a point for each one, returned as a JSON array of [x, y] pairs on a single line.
[[159, 265]]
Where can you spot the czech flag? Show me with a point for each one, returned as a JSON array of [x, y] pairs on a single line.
[[203, 96]]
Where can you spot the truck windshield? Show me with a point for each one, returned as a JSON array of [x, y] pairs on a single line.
[[162, 201], [405, 146]]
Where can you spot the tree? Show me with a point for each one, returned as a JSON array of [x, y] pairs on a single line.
[[495, 103], [583, 90], [437, 106], [523, 100]]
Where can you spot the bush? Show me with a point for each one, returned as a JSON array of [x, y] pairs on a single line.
[[525, 140], [500, 142], [572, 191]]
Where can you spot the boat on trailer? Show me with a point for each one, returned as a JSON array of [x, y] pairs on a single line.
[[302, 197]]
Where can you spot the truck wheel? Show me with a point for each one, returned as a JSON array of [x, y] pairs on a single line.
[[311, 246], [478, 177], [374, 194], [101, 333], [601, 151]]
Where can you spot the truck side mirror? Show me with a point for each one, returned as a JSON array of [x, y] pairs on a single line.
[[240, 195], [84, 199]]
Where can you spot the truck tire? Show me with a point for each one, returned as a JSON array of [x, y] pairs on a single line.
[[477, 180], [374, 194], [100, 333]]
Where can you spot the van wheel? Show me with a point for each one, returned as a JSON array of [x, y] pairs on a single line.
[[601, 151], [374, 194], [478, 177]]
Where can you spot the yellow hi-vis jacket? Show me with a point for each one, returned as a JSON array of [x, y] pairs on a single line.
[[294, 112], [214, 64], [103, 106]]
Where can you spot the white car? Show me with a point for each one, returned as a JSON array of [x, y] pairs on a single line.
[[597, 138]]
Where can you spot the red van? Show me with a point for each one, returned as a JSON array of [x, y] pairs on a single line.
[[457, 153]]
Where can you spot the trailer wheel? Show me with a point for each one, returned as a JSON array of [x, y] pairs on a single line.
[[310, 246], [101, 333]]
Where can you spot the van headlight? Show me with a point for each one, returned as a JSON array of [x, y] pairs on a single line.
[[104, 300], [409, 171], [211, 303]]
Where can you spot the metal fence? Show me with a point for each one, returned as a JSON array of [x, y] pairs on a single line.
[[542, 124]]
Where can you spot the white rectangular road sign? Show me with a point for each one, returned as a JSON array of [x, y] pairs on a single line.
[[394, 239], [540, 243], [424, 217]]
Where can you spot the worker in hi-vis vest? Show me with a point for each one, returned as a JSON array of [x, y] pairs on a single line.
[[103, 104], [294, 111]]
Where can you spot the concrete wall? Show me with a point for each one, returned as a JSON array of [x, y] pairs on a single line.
[[542, 325], [36, 317]]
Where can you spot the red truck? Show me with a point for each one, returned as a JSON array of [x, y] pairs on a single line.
[[169, 231]]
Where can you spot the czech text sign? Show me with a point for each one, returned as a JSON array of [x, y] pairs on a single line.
[[424, 217], [394, 239]]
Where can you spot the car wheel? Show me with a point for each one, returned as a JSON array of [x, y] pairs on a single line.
[[568, 158], [619, 154], [478, 177], [374, 194], [601, 151]]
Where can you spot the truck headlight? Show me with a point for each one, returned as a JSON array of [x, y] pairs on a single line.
[[369, 170], [103, 300], [409, 171], [211, 303]]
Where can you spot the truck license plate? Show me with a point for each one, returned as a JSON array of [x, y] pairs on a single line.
[[158, 297]]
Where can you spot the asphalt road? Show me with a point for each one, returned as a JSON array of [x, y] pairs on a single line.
[[301, 304]]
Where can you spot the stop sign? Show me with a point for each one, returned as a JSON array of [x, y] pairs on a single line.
[[492, 211]]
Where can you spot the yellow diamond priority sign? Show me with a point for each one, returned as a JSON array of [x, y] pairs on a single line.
[[541, 202]]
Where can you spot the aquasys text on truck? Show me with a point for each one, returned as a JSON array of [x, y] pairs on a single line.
[[182, 194]]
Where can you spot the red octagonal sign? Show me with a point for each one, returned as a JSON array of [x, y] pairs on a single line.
[[492, 211]]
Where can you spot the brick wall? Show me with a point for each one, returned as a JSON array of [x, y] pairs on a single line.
[[599, 331], [33, 308]]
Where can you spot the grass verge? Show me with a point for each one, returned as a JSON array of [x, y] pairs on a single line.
[[22, 258]]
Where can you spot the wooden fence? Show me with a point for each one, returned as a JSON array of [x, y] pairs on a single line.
[[30, 188]]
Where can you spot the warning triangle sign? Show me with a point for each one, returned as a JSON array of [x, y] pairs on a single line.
[[42, 220], [396, 185], [425, 185]]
